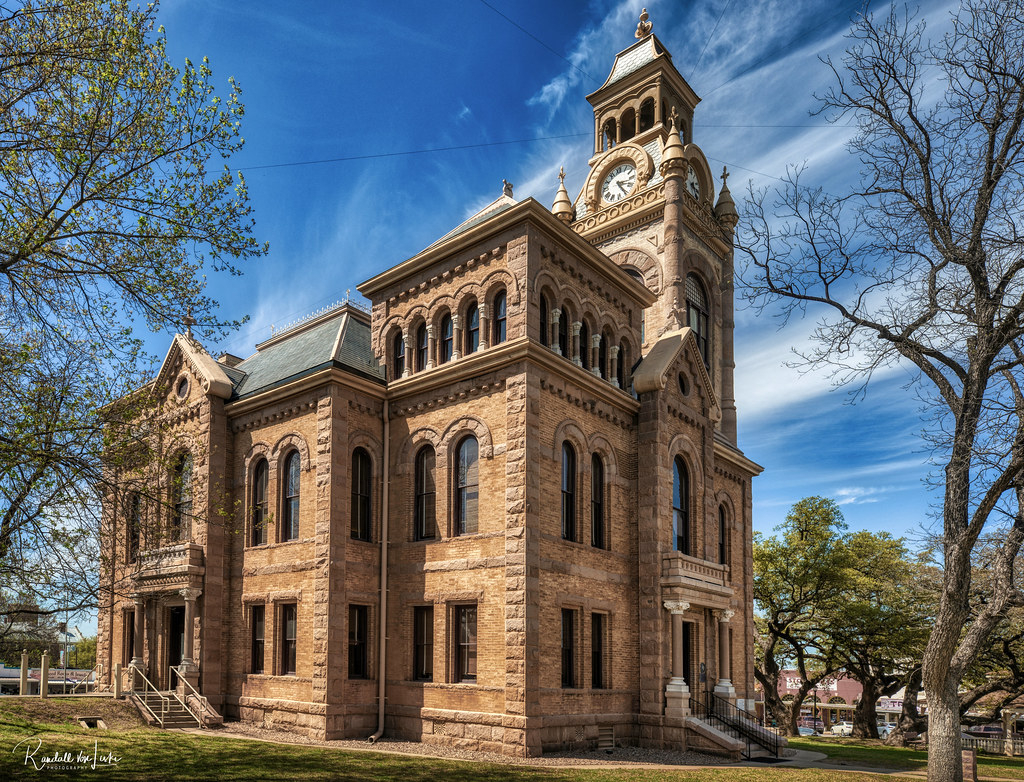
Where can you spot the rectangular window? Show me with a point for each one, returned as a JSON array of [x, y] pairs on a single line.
[[423, 643], [568, 647], [357, 645], [289, 634], [598, 644], [258, 622], [465, 640]]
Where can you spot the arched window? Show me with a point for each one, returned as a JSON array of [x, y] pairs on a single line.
[[624, 367], [584, 345], [467, 487], [628, 127], [602, 356], [643, 313], [259, 503], [134, 531], [609, 134], [362, 477], [446, 339], [290, 497], [545, 336], [697, 314], [425, 493], [723, 537], [563, 333], [181, 517], [647, 115], [568, 491], [500, 318], [398, 355], [421, 347], [472, 329], [597, 535], [681, 507]]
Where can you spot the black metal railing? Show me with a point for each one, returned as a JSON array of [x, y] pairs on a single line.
[[736, 722]]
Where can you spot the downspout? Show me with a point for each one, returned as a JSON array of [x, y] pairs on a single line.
[[382, 632]]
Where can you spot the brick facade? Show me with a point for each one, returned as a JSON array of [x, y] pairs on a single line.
[[507, 428]]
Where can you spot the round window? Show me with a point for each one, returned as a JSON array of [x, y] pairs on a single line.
[[683, 386], [182, 388]]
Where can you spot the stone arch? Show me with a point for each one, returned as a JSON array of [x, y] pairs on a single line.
[[648, 267], [695, 157], [599, 444], [544, 283], [292, 442], [681, 446], [411, 445], [571, 431], [468, 424], [415, 316], [500, 278]]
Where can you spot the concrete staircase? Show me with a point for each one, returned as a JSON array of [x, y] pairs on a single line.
[[176, 716]]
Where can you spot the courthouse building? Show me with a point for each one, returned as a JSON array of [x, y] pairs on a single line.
[[503, 507]]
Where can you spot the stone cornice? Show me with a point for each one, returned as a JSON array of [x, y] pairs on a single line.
[[741, 463]]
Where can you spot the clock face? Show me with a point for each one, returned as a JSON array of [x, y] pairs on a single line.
[[693, 184], [619, 183]]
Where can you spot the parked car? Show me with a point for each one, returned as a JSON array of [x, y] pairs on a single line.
[[884, 730], [993, 731], [812, 722], [842, 729], [806, 731]]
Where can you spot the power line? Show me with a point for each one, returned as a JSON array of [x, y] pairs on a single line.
[[710, 38]]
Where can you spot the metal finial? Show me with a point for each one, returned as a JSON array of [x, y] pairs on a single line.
[[644, 28], [725, 174], [506, 188], [673, 116], [561, 175]]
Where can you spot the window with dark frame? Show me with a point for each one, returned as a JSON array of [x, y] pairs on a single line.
[[290, 501], [568, 491], [624, 367], [421, 347], [181, 491], [602, 356], [697, 314], [257, 619], [563, 333], [134, 531], [597, 533], [568, 647], [681, 507], [472, 329], [584, 345], [723, 536], [289, 636], [423, 643], [465, 644], [500, 318], [598, 644], [467, 487], [259, 503], [425, 495], [362, 478], [545, 337], [398, 355], [447, 343], [357, 642]]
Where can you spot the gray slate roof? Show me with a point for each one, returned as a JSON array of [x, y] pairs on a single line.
[[341, 337]]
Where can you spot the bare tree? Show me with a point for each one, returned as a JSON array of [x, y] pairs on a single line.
[[923, 264]]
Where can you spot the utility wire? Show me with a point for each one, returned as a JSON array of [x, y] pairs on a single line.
[[710, 38]]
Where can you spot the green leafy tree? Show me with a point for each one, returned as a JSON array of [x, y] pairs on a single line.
[[116, 202], [922, 263]]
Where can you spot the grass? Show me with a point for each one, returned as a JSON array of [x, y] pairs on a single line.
[[873, 753], [150, 754]]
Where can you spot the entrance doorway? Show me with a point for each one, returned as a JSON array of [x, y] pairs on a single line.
[[175, 642]]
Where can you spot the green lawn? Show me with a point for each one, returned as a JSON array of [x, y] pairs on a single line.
[[148, 754], [862, 752]]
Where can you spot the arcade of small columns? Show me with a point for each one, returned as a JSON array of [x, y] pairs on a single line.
[[677, 691]]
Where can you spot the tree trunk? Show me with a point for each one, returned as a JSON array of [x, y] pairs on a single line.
[[910, 718], [944, 761], [865, 716]]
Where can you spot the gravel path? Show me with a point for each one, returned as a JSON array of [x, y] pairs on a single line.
[[630, 756]]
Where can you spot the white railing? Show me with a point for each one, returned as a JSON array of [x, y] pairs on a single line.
[[200, 698], [93, 677], [992, 746]]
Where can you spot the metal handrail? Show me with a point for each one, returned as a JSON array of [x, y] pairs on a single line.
[[184, 701], [86, 681], [164, 700], [700, 709], [743, 721]]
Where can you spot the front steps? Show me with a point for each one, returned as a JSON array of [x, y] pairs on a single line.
[[176, 716]]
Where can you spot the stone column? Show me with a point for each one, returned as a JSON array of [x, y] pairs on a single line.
[[613, 370], [724, 686], [23, 684], [575, 347], [556, 317], [485, 328], [595, 354], [44, 676], [409, 348], [431, 346], [677, 693], [456, 337], [140, 608], [188, 670]]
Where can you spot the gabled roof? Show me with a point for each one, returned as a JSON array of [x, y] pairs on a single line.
[[500, 204], [652, 372], [215, 380], [341, 336]]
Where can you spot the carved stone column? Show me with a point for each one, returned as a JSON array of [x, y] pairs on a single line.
[[188, 670], [556, 317], [613, 370], [724, 686], [485, 328], [431, 346], [456, 337], [575, 347], [409, 347], [595, 354], [677, 693], [140, 616]]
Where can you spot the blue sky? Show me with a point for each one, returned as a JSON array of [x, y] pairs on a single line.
[[369, 81]]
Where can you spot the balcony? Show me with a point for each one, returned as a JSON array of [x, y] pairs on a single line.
[[174, 560], [697, 581]]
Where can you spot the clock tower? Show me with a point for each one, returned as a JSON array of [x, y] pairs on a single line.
[[649, 203]]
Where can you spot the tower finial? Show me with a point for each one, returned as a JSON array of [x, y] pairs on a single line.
[[188, 322], [506, 188], [644, 28], [673, 117], [725, 174], [561, 175]]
